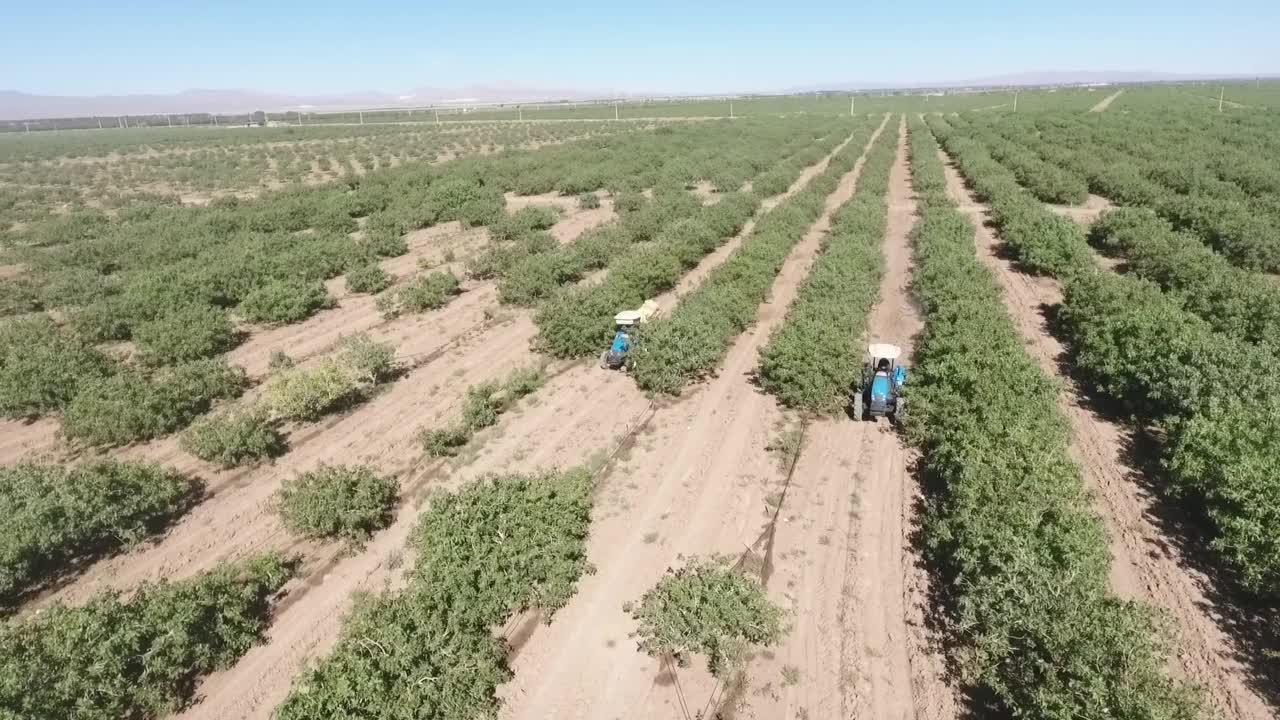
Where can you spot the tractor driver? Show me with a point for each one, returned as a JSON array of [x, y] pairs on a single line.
[[621, 341], [883, 366]]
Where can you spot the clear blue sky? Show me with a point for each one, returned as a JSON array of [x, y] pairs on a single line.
[[97, 47]]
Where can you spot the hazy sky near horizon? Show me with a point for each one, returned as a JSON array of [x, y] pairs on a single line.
[[91, 48]]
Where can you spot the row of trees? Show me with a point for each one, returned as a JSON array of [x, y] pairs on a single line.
[[812, 360], [688, 344], [493, 549], [140, 655], [1197, 363], [1042, 241], [1009, 521], [1220, 185], [1236, 302], [175, 281], [776, 160], [578, 321]]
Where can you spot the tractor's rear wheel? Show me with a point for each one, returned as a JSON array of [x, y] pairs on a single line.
[[604, 360], [858, 413]]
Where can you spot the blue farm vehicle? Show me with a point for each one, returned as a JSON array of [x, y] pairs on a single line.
[[878, 391]]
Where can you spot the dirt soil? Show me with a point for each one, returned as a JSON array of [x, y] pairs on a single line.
[[1147, 564], [700, 480], [705, 191], [1084, 214], [1106, 101], [849, 574], [579, 417], [695, 482], [573, 219]]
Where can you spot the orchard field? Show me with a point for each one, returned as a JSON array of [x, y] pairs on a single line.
[[308, 422]]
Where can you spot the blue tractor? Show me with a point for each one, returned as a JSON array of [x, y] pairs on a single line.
[[624, 338], [879, 391], [626, 323]]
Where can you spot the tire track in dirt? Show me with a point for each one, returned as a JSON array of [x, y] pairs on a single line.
[[697, 481], [1146, 566], [855, 587], [576, 418]]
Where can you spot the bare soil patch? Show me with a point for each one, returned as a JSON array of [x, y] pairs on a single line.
[[701, 480], [1106, 101], [1084, 214]]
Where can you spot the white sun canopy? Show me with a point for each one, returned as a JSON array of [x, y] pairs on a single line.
[[884, 350], [627, 317]]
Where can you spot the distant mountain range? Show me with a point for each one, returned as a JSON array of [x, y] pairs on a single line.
[[16, 105], [1048, 77]]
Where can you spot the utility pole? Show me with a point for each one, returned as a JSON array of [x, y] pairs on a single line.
[[851, 98], [520, 110], [126, 122], [215, 119], [615, 110], [1015, 101], [1221, 90], [437, 112], [169, 117], [361, 117], [99, 123], [187, 119], [730, 108], [26, 126]]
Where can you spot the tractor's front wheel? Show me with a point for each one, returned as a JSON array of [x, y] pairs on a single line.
[[604, 360], [900, 411]]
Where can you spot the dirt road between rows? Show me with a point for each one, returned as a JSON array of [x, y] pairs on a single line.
[[855, 586], [1106, 102], [578, 417], [1147, 566], [700, 481]]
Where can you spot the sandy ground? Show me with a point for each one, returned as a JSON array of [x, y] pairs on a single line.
[[579, 417], [1084, 214], [573, 220], [847, 571], [1106, 101], [700, 480], [1147, 564], [706, 192]]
